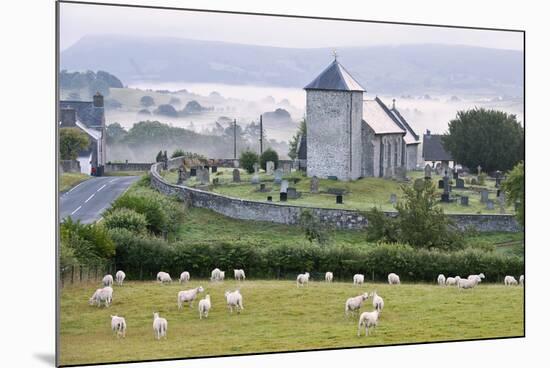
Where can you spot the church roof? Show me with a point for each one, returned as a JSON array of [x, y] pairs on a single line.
[[411, 137], [380, 119], [433, 150], [335, 78]]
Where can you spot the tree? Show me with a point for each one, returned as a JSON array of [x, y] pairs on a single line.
[[490, 138], [312, 227], [514, 187], [147, 101], [167, 110], [295, 140], [71, 142], [115, 133], [269, 155], [247, 160]]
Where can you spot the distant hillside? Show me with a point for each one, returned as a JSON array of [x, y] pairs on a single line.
[[427, 68]]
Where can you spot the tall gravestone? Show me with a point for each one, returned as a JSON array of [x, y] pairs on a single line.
[[427, 172], [490, 204], [182, 175], [459, 183], [284, 186], [314, 185], [393, 198], [445, 197], [286, 168], [464, 200], [278, 176], [256, 177], [269, 167], [204, 176], [236, 176], [484, 196]]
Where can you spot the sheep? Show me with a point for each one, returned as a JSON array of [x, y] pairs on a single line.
[[302, 279], [522, 280], [120, 276], [354, 303], [441, 280], [478, 278], [510, 280], [377, 301], [188, 296], [358, 279], [118, 325], [452, 280], [393, 279], [368, 319], [467, 283], [163, 277], [104, 295], [222, 275], [234, 299], [185, 277], [204, 306], [216, 274], [107, 280], [329, 276], [239, 274], [160, 326]]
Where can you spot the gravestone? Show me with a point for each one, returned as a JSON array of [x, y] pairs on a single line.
[[269, 198], [459, 183], [393, 198], [214, 169], [440, 184], [282, 196], [478, 170], [455, 174], [278, 176], [236, 176], [445, 197], [216, 181], [418, 184], [401, 173], [292, 193], [284, 186], [473, 181], [490, 204], [314, 185], [484, 196], [204, 176], [339, 199], [269, 167], [286, 168], [236, 164], [464, 200], [182, 175], [438, 169], [262, 187], [256, 177], [427, 172], [193, 171]]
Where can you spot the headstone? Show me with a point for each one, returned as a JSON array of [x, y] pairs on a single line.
[[216, 181], [455, 174], [286, 168], [255, 179], [490, 204], [314, 185], [236, 176], [182, 175], [269, 198], [445, 197], [193, 171], [214, 169], [292, 193], [393, 198], [440, 184], [262, 187], [419, 184], [339, 199], [427, 172], [459, 183], [236, 164], [401, 173], [204, 176], [284, 186], [464, 200], [278, 176], [282, 196], [484, 196], [438, 169], [473, 181], [478, 170], [269, 167], [256, 167]]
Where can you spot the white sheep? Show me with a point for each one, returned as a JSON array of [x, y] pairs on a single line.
[[185, 277], [510, 280], [188, 296], [441, 280], [222, 275], [393, 279], [204, 306], [120, 276], [302, 279], [358, 279], [377, 301], [163, 277], [160, 326], [478, 278], [215, 276], [354, 303], [104, 295], [467, 283], [452, 280], [107, 280], [522, 280], [368, 319], [118, 325], [329, 276], [239, 274], [234, 299]]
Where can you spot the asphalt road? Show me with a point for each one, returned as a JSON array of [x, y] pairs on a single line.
[[87, 201]]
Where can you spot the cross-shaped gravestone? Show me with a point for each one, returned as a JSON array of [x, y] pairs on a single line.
[[478, 169]]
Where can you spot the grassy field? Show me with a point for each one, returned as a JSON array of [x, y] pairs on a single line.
[[69, 180], [279, 317], [362, 194]]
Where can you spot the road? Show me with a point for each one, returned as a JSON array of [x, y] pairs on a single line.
[[87, 201]]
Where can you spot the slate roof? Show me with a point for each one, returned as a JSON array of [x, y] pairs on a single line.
[[335, 78], [411, 137], [432, 149], [86, 113], [380, 119], [302, 148]]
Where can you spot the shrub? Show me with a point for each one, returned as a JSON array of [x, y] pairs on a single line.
[[312, 227], [514, 187], [71, 142], [88, 243], [124, 218], [247, 161], [269, 155], [381, 227]]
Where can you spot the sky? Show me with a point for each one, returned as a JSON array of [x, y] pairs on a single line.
[[79, 20]]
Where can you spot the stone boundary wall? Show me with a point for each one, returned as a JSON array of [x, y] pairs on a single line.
[[69, 166], [128, 166], [289, 214]]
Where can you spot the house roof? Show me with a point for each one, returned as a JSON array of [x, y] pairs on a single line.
[[93, 133], [411, 137], [433, 150], [89, 115], [380, 119], [302, 148], [335, 78]]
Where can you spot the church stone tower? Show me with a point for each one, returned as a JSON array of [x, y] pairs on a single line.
[[334, 111]]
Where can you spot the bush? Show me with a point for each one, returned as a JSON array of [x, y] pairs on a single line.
[[71, 142], [381, 227], [87, 243], [313, 228], [269, 155], [514, 187], [247, 161], [124, 218]]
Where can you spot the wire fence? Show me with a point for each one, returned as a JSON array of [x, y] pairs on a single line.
[[82, 274]]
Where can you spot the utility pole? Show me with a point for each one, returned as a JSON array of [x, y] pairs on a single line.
[[235, 139], [261, 136]]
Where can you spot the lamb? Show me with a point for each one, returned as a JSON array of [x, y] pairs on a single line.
[[358, 279], [393, 279], [368, 319], [185, 277], [452, 280], [120, 276], [377, 301], [510, 280], [160, 326], [467, 283], [104, 295], [239, 274], [234, 299], [302, 279], [107, 280], [118, 325], [163, 277], [188, 296], [204, 306], [441, 280], [329, 276], [522, 280], [353, 304], [215, 274]]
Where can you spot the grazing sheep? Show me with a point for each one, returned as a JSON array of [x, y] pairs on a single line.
[[120, 276], [216, 275], [188, 296], [452, 280], [441, 280], [163, 277], [222, 275], [118, 325], [160, 326], [204, 306], [467, 283], [522, 280], [329, 276], [377, 301], [358, 279], [302, 279], [185, 277], [368, 319], [478, 278], [104, 295], [393, 279], [239, 274], [354, 303], [510, 280], [107, 280], [234, 299]]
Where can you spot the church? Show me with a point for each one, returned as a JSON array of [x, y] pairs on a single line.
[[348, 136]]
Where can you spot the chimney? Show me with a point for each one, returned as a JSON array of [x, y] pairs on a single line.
[[428, 133], [98, 100], [393, 105], [68, 117]]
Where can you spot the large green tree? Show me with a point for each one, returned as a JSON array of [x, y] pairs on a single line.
[[514, 187], [71, 141], [490, 138], [295, 140]]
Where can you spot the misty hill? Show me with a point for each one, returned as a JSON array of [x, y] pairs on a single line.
[[426, 68]]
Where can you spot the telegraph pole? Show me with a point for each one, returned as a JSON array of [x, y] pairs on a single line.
[[235, 139], [261, 136]]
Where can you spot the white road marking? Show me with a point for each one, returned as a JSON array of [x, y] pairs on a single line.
[[79, 207], [76, 186], [113, 180], [90, 197], [104, 185]]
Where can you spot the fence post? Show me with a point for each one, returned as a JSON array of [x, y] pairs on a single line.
[[80, 273], [72, 274]]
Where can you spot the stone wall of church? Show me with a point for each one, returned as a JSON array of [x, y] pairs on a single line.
[[392, 155], [371, 152]]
